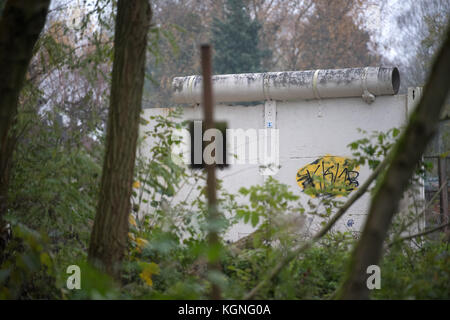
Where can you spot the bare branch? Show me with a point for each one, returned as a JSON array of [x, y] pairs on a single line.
[[420, 234]]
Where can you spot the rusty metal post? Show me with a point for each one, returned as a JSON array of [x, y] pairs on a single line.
[[443, 199], [208, 112]]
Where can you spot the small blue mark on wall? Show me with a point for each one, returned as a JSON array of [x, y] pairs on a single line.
[[350, 223]]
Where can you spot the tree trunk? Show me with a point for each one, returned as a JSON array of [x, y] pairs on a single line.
[[406, 155], [109, 235], [20, 25]]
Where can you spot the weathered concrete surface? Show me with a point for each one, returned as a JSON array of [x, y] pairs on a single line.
[[308, 130], [291, 85]]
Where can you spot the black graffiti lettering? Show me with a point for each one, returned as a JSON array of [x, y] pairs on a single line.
[[307, 179], [326, 173], [350, 178], [353, 179], [335, 176]]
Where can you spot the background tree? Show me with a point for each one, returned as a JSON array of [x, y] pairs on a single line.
[[332, 36], [20, 25], [236, 40], [421, 28], [110, 230], [280, 26], [176, 35]]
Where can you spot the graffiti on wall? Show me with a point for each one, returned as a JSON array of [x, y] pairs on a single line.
[[329, 176]]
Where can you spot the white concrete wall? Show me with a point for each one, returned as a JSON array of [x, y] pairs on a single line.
[[308, 130]]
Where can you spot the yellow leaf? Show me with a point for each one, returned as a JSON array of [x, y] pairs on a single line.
[[136, 185], [141, 243], [132, 221], [148, 269], [147, 277]]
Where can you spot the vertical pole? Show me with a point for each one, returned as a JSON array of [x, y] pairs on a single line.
[[443, 199], [208, 113]]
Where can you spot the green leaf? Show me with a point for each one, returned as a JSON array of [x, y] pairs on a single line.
[[255, 219], [395, 132]]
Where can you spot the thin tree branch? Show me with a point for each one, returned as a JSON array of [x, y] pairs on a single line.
[[423, 233]]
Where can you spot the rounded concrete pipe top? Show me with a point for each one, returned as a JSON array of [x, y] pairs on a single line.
[[291, 85]]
